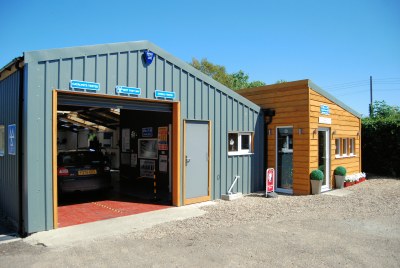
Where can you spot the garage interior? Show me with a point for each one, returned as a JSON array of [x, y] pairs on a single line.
[[140, 177]]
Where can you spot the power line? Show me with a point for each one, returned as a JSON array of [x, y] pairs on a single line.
[[360, 83], [353, 92]]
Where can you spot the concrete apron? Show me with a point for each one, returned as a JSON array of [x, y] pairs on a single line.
[[73, 235], [338, 192]]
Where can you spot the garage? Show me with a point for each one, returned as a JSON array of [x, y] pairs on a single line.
[[164, 134], [130, 177]]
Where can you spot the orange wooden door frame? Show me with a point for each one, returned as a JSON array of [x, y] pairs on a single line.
[[201, 198], [176, 145]]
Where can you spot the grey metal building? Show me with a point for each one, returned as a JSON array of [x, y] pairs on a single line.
[[214, 133]]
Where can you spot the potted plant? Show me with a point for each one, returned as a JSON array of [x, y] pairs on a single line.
[[340, 175], [316, 177]]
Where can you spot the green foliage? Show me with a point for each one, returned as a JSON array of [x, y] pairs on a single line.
[[280, 81], [382, 110], [381, 140], [322, 168], [341, 171], [317, 175], [235, 81]]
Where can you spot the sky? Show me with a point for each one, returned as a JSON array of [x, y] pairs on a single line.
[[338, 44]]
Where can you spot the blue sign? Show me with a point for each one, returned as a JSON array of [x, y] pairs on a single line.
[[148, 57], [75, 84], [12, 139], [164, 94], [324, 109], [147, 132], [128, 90]]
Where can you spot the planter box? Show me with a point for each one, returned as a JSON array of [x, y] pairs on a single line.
[[347, 184], [316, 186]]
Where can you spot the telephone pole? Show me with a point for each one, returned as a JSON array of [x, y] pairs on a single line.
[[371, 108]]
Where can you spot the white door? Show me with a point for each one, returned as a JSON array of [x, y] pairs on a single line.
[[324, 156]]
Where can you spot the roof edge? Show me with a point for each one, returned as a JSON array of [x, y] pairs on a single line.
[[49, 54], [11, 67], [329, 96]]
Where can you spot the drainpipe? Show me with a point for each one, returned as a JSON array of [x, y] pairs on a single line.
[[268, 114]]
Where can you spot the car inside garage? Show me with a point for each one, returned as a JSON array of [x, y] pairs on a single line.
[[112, 158]]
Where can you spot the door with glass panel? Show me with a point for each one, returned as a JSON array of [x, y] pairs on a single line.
[[284, 159], [324, 156]]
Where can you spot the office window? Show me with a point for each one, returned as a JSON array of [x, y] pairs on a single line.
[[345, 146], [239, 143], [338, 144], [352, 146]]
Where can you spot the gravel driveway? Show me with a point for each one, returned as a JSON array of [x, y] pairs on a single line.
[[361, 229]]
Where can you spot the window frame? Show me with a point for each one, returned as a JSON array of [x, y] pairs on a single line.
[[240, 150], [352, 146], [338, 147], [345, 147]]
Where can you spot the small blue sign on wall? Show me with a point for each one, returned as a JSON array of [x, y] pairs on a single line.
[[147, 132], [12, 139], [128, 90], [324, 109], [148, 57], [75, 84], [164, 94]]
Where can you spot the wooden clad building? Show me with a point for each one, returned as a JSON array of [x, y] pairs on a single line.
[[306, 129]]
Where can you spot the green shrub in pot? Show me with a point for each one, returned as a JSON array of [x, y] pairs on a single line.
[[340, 175], [341, 171], [317, 175]]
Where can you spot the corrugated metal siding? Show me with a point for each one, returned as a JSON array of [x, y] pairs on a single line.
[[121, 64], [9, 183]]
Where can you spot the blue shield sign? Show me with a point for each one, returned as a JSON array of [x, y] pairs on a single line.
[[148, 57], [12, 139]]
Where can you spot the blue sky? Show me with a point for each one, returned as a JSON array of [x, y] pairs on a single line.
[[337, 44]]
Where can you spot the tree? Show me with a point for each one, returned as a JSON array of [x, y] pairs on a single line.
[[382, 110], [217, 72], [280, 81], [235, 81]]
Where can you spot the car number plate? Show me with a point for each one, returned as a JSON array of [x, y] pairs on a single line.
[[87, 172]]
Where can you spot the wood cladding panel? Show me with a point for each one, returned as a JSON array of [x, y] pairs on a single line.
[[298, 106]]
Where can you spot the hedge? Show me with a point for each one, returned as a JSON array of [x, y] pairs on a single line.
[[381, 146]]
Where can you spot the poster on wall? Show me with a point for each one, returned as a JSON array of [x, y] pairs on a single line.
[[125, 139], [163, 163], [133, 160], [147, 168], [148, 148], [163, 138], [147, 132]]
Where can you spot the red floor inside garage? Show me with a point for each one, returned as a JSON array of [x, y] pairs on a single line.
[[69, 215], [123, 199]]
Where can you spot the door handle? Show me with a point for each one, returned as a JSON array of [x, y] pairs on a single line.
[[187, 160]]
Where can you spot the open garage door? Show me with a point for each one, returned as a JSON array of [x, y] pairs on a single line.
[[114, 157]]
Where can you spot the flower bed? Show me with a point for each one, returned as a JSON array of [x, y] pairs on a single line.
[[354, 179]]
